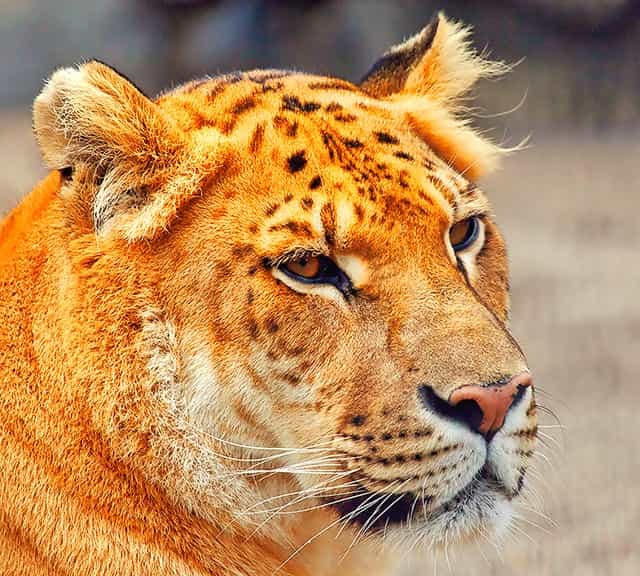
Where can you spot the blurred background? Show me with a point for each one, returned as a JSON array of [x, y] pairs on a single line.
[[569, 204]]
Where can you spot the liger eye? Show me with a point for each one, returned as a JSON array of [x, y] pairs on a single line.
[[310, 269], [307, 267], [464, 233]]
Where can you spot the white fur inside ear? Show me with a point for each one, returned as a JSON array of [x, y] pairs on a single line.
[[53, 115], [451, 66]]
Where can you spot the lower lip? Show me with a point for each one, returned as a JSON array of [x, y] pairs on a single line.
[[399, 507]]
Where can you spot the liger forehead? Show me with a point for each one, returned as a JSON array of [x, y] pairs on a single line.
[[330, 134]]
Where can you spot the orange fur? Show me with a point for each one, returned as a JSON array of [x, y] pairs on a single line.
[[172, 402]]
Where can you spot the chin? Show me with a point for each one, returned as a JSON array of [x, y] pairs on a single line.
[[481, 509]]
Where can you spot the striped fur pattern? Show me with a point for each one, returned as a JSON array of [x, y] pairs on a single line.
[[171, 403]]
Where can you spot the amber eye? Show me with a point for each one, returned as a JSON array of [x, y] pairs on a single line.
[[306, 266], [317, 269], [464, 233]]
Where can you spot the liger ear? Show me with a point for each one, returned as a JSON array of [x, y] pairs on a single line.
[[94, 118], [427, 77]]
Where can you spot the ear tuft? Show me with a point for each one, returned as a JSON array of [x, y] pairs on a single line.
[[94, 119], [427, 77], [452, 66], [93, 114]]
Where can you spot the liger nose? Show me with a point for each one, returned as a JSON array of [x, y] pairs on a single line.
[[483, 408]]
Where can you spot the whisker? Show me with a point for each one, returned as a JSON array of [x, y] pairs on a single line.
[[295, 493], [348, 496], [287, 504], [377, 515]]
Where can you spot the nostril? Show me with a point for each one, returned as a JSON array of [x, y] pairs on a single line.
[[433, 402], [469, 412], [466, 411], [481, 407]]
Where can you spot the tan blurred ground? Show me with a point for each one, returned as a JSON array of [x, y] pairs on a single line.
[[569, 207]]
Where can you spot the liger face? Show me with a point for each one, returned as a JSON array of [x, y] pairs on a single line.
[[348, 288]]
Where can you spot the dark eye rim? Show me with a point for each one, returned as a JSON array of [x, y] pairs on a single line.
[[329, 273], [472, 234]]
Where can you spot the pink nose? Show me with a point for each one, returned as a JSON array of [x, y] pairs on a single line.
[[493, 401]]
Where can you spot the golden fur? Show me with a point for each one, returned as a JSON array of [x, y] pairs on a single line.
[[171, 402]]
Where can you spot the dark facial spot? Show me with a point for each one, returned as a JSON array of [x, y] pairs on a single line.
[[294, 104], [272, 86], [385, 138], [251, 271], [328, 218], [403, 155], [359, 212], [316, 182], [243, 105], [329, 144], [253, 328], [292, 130], [262, 76], [306, 203], [333, 107], [297, 162], [417, 456], [332, 84], [257, 139], [215, 90], [386, 436], [253, 228], [292, 379], [399, 459], [271, 209], [358, 420], [272, 325], [242, 250], [288, 198], [295, 227], [345, 117], [352, 143], [249, 296], [286, 126]]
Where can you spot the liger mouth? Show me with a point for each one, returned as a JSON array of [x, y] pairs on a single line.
[[379, 510]]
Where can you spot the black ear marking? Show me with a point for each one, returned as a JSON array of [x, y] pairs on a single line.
[[389, 73], [66, 172]]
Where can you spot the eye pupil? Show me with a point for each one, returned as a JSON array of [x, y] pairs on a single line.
[[464, 233]]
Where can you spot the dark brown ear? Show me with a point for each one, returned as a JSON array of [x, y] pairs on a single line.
[[389, 74], [93, 117], [427, 77]]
